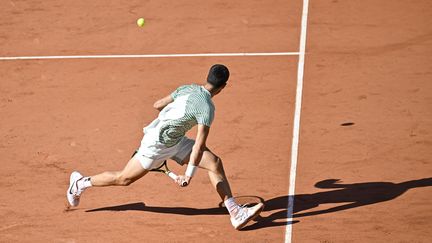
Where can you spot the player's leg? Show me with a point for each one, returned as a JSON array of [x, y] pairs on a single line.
[[210, 162], [78, 183], [130, 173], [240, 216], [213, 165]]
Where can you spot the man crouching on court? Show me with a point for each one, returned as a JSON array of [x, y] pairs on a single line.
[[164, 138]]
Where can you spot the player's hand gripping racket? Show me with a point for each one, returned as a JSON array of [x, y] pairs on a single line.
[[164, 169]]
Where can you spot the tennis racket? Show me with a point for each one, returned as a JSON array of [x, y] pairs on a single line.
[[164, 169]]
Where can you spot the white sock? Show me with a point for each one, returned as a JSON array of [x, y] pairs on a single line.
[[231, 206], [84, 183]]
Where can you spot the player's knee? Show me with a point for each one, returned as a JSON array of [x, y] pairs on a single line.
[[124, 181], [217, 166]]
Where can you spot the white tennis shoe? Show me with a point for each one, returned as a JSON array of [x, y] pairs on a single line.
[[246, 214], [73, 193]]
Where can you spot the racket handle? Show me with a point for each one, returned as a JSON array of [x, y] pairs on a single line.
[[172, 175]]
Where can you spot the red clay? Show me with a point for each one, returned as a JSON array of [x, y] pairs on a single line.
[[366, 65], [368, 62]]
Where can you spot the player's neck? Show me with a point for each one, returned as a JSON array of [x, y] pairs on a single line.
[[210, 89]]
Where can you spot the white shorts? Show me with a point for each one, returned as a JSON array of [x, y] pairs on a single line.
[[154, 154]]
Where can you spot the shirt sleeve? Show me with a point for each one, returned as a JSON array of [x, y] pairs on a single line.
[[205, 115], [179, 91]]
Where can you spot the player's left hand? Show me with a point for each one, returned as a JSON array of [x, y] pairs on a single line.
[[183, 180]]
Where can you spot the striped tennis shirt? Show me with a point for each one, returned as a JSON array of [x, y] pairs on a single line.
[[192, 105]]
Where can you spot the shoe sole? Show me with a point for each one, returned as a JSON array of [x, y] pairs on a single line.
[[257, 213]]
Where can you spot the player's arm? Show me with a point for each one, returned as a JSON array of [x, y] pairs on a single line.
[[196, 154], [160, 104], [200, 144]]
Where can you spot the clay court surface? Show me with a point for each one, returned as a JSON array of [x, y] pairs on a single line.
[[364, 168]]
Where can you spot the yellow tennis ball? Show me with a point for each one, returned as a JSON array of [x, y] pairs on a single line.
[[141, 22]]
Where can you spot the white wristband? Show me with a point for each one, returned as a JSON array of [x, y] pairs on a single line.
[[190, 171]]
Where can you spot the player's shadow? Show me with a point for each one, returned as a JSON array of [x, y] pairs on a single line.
[[353, 195], [168, 210]]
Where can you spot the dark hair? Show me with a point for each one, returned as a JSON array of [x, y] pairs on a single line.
[[218, 75]]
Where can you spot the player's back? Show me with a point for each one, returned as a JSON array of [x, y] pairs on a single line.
[[192, 105]]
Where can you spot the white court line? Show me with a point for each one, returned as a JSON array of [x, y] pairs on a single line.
[[153, 56], [296, 127]]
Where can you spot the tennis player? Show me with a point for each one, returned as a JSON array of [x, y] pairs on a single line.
[[164, 138]]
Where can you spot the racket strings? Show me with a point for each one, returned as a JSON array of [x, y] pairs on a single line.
[[164, 165]]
